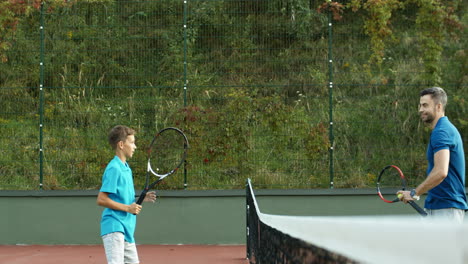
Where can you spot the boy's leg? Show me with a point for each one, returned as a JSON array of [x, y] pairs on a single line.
[[131, 254], [114, 245]]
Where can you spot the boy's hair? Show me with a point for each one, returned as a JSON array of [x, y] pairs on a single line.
[[119, 133], [437, 94]]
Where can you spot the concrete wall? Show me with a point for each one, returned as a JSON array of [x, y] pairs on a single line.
[[178, 217]]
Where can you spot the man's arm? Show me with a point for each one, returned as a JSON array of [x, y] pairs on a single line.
[[104, 200], [435, 177], [437, 174]]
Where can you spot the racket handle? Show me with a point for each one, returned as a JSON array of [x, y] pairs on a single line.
[[142, 197], [418, 208]]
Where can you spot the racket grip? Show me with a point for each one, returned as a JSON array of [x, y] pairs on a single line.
[[142, 197], [418, 208]]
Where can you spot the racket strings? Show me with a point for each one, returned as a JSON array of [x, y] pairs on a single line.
[[390, 180], [167, 152]]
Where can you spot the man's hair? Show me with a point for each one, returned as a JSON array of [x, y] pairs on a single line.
[[119, 133], [437, 94]]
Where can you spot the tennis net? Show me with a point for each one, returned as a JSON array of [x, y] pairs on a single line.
[[351, 239]]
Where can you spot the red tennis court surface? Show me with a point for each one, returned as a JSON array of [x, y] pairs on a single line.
[[149, 254]]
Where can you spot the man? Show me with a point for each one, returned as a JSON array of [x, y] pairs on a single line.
[[445, 182]]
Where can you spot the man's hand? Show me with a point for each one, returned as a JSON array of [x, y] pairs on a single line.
[[405, 196]]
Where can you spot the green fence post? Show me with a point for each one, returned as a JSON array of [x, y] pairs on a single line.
[[185, 78], [41, 98], [330, 97]]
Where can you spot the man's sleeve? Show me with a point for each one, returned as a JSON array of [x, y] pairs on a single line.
[[440, 140]]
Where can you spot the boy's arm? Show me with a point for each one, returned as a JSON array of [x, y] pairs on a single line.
[[104, 200]]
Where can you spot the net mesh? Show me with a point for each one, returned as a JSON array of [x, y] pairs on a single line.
[[266, 244]]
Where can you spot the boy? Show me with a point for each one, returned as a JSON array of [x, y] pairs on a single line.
[[117, 195]]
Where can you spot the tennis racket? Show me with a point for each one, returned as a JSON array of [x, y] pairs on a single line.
[[392, 176], [166, 153]]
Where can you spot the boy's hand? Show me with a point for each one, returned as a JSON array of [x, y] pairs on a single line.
[[150, 197], [134, 208]]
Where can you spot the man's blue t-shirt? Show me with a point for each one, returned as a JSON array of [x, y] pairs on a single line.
[[450, 193], [118, 182]]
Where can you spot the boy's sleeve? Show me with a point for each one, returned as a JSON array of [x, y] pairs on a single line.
[[109, 180]]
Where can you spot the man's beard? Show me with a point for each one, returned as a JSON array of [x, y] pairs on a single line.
[[429, 118]]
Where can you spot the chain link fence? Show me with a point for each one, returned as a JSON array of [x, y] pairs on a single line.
[[282, 92]]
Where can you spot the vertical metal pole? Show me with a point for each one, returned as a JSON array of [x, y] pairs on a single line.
[[185, 78], [330, 97], [41, 99]]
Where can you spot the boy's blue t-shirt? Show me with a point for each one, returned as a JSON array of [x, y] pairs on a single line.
[[450, 193], [118, 182]]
